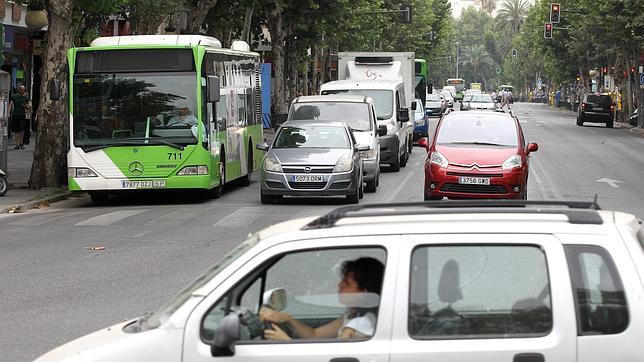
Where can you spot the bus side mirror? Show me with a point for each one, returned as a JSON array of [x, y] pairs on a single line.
[[54, 89], [213, 89]]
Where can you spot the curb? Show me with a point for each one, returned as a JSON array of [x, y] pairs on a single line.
[[27, 205]]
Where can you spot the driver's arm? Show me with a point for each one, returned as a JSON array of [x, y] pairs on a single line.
[[301, 330]]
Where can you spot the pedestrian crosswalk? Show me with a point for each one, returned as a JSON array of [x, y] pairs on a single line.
[[243, 216]]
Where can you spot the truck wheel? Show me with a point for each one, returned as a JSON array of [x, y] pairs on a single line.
[[372, 185], [404, 158], [395, 166]]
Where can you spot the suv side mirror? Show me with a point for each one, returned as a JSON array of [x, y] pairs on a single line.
[[54, 89], [228, 332], [213, 89], [382, 130], [403, 115]]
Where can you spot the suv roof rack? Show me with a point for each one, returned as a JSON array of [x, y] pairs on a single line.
[[578, 212]]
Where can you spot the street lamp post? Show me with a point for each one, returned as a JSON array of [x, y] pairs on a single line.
[[457, 59]]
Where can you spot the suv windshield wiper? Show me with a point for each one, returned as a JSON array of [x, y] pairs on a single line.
[[133, 141]]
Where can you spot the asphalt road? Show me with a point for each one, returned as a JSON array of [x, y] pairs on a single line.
[[55, 287]]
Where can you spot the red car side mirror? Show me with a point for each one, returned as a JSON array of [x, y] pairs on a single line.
[[532, 147], [423, 142]]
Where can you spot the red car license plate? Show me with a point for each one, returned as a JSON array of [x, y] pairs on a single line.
[[465, 180]]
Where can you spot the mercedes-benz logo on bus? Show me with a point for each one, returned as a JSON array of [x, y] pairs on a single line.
[[136, 168], [307, 169]]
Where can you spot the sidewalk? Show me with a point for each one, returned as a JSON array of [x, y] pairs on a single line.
[[20, 197]]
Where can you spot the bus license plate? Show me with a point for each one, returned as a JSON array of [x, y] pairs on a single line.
[[307, 178], [143, 184], [473, 180]]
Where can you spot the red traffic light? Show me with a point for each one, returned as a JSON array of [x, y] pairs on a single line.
[[547, 30], [555, 13]]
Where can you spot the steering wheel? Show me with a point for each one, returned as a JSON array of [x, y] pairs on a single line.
[[180, 124]]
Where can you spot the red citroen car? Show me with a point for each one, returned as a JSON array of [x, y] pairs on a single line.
[[477, 155]]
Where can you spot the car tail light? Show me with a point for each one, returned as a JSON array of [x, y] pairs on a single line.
[[583, 106]]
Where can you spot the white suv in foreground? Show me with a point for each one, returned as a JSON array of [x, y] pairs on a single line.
[[445, 281]]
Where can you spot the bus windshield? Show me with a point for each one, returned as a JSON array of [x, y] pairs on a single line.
[[134, 108]]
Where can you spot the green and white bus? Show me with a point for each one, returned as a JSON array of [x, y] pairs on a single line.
[[162, 112]]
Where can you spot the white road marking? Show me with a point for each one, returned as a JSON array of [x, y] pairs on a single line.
[[109, 218], [242, 217], [394, 195], [39, 219], [610, 181], [548, 189]]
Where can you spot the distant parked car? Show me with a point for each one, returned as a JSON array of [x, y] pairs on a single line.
[[312, 159], [448, 98], [420, 119], [597, 108]]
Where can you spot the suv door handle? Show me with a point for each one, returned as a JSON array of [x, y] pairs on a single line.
[[344, 359], [529, 357]]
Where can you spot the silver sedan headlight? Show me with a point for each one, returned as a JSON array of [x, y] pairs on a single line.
[[271, 164], [344, 165]]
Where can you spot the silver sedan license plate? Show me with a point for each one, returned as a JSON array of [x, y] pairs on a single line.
[[465, 180], [147, 184], [307, 178]]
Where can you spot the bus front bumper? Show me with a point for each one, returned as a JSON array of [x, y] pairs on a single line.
[[203, 182]]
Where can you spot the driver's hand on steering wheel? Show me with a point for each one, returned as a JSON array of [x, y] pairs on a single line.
[[272, 316], [276, 333]]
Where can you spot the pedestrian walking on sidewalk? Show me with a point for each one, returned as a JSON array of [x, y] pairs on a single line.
[[18, 108]]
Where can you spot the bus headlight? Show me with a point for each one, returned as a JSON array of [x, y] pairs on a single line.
[[78, 172], [271, 164], [193, 170]]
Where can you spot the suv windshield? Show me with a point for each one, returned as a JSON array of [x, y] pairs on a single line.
[[381, 99], [493, 131], [135, 108], [312, 136], [355, 115]]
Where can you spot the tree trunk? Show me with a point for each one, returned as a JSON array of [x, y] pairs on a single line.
[[274, 14], [49, 168], [247, 22], [316, 75], [197, 15], [305, 76]]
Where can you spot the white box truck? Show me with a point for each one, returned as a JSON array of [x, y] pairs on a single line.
[[387, 77]]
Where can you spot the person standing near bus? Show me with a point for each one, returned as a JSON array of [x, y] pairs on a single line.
[[18, 108]]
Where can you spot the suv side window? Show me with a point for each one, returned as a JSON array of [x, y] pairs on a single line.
[[599, 293], [310, 281], [479, 291]]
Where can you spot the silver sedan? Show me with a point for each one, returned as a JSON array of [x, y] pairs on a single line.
[[312, 159]]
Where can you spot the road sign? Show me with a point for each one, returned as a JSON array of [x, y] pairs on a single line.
[[641, 80]]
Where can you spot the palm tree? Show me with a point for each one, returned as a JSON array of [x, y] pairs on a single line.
[[512, 14], [488, 6], [477, 57]]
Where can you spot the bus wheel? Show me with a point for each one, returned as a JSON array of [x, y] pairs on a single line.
[[98, 197], [245, 181], [216, 192], [4, 186]]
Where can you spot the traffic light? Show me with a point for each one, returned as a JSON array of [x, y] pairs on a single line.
[[605, 70], [547, 30], [514, 53], [406, 13], [555, 13]]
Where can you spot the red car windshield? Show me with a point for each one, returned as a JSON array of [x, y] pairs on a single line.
[[478, 130]]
